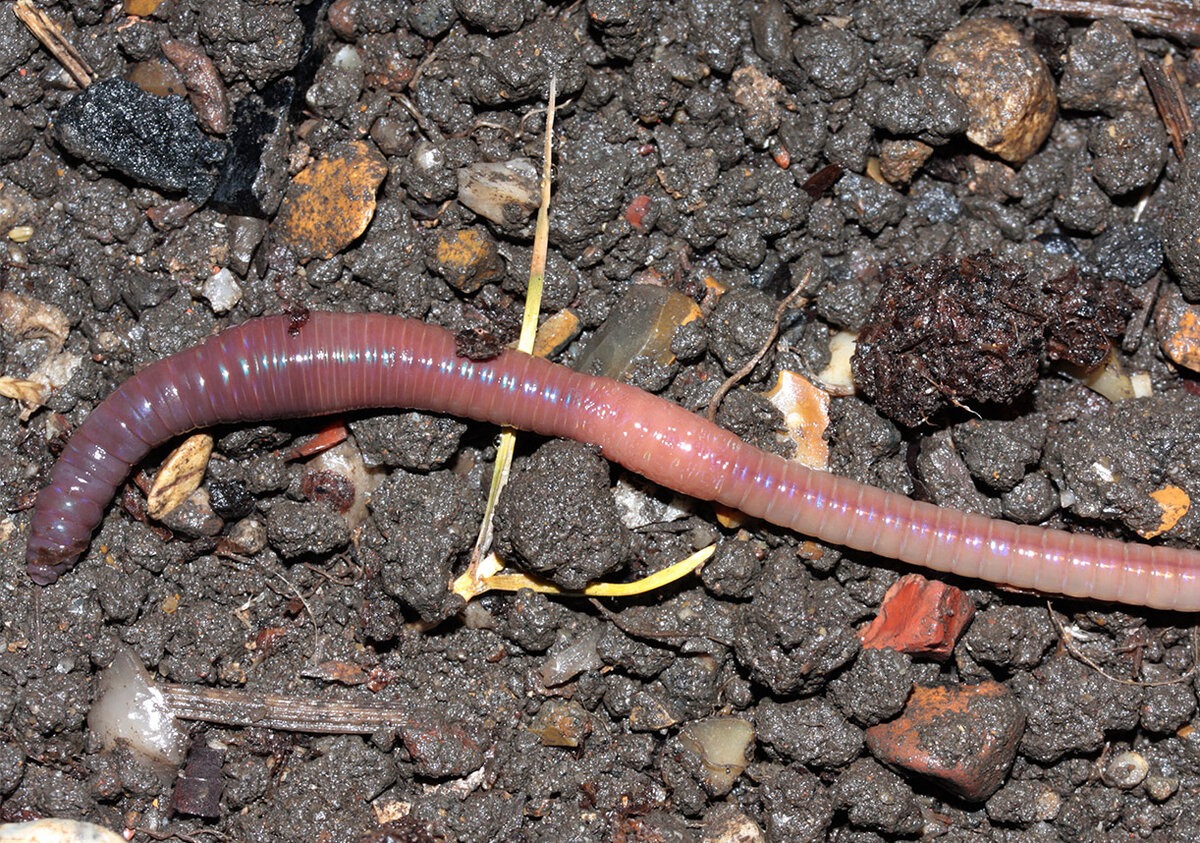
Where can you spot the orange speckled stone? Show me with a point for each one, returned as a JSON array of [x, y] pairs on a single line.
[[331, 201]]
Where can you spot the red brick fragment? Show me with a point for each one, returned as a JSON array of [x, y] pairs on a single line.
[[963, 738], [636, 211], [919, 617]]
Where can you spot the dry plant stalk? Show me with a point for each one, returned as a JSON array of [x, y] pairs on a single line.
[[46, 30], [1179, 19], [1168, 99]]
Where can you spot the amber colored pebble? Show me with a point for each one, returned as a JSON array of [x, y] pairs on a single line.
[[554, 334], [805, 409], [157, 77], [640, 327], [467, 259], [1179, 326], [561, 723], [1175, 504], [331, 201], [728, 517], [964, 738], [141, 8], [919, 617], [1005, 85]]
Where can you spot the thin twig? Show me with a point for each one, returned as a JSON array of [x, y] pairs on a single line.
[[1178, 19], [652, 634], [1078, 655], [792, 298], [1168, 99], [47, 30], [431, 132]]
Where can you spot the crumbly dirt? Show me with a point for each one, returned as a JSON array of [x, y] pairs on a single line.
[[685, 150]]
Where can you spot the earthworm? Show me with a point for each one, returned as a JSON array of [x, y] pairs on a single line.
[[266, 368]]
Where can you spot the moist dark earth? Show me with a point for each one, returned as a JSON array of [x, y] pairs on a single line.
[[728, 152]]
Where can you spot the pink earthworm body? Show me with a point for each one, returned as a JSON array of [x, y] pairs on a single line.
[[269, 369]]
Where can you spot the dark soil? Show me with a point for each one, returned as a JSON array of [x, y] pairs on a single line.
[[686, 136]]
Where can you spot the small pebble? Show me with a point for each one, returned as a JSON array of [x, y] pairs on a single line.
[[650, 714], [899, 160], [759, 96], [16, 255], [729, 825], [1005, 85], [561, 723], [1126, 770], [194, 516], [141, 8], [230, 499], [504, 192], [961, 737], [1174, 503], [638, 331], [248, 536], [718, 748], [245, 233], [222, 291], [467, 259], [805, 409], [331, 201], [569, 658], [1160, 788]]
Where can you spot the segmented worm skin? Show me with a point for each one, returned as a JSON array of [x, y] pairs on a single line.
[[268, 369]]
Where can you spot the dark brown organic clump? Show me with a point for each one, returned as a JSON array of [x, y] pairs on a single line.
[[1083, 313], [954, 331]]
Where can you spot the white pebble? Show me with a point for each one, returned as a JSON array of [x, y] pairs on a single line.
[[57, 831], [502, 192], [222, 291]]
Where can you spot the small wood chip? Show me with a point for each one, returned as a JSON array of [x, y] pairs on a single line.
[[27, 392], [1169, 100], [180, 475]]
